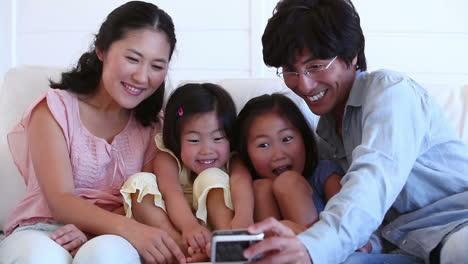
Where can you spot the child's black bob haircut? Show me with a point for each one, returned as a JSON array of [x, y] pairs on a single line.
[[287, 109], [196, 98]]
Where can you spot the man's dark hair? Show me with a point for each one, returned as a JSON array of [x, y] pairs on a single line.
[[327, 28]]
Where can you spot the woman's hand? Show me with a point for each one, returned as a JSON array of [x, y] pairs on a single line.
[[69, 237], [196, 237], [154, 244], [280, 246]]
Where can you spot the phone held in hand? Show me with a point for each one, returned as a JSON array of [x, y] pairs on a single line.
[[227, 246]]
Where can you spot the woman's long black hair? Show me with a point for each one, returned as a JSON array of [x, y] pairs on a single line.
[[86, 75]]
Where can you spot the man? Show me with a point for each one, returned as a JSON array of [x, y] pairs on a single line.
[[405, 167]]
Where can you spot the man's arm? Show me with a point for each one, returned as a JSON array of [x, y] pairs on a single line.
[[393, 124]]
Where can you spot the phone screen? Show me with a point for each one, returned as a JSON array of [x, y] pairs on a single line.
[[229, 245], [231, 251]]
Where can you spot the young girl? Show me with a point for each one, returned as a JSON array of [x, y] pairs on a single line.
[[190, 169], [277, 145]]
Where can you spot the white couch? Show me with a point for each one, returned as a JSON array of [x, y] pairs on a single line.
[[22, 85]]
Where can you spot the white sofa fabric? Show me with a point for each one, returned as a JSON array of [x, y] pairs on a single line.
[[23, 84]]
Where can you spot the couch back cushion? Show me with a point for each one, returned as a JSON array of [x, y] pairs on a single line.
[[242, 90], [453, 98], [20, 87], [23, 84]]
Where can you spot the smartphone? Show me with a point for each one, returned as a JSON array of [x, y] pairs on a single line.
[[227, 246]]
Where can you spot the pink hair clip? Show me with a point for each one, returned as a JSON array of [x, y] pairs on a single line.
[[180, 111]]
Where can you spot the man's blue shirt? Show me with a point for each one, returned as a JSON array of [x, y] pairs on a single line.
[[399, 152]]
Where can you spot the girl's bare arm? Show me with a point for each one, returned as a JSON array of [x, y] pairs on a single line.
[[167, 173], [332, 185], [242, 194]]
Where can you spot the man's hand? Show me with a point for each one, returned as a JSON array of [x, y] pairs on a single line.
[[281, 245]]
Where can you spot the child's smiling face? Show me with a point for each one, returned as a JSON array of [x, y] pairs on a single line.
[[203, 143], [274, 146]]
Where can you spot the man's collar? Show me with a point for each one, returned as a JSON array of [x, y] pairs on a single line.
[[326, 127], [356, 97]]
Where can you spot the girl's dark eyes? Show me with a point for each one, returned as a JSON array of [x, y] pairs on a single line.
[[219, 138], [131, 59], [287, 139], [193, 140], [263, 145], [157, 67]]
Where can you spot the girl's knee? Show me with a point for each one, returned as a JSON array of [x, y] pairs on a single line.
[[290, 180], [262, 185]]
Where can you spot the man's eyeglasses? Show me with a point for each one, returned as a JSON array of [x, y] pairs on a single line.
[[291, 78]]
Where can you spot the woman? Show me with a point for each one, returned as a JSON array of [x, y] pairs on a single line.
[[79, 142]]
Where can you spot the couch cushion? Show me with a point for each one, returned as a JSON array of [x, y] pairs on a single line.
[[20, 87], [242, 90], [23, 84], [453, 98]]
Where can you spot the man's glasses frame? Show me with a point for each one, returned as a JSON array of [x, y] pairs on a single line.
[[288, 76]]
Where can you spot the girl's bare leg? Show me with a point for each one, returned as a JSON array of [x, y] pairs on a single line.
[[265, 202], [294, 196], [219, 215]]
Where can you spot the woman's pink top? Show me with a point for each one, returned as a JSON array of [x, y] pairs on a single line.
[[99, 168]]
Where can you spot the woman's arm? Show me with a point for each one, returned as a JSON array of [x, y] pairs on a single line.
[[242, 194], [50, 158]]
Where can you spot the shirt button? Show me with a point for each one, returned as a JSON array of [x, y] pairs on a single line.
[[403, 242], [387, 233]]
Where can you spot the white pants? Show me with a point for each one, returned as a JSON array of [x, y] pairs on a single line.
[[32, 244], [455, 248]]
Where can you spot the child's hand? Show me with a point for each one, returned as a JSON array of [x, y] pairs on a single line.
[[199, 257], [196, 237], [69, 237]]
